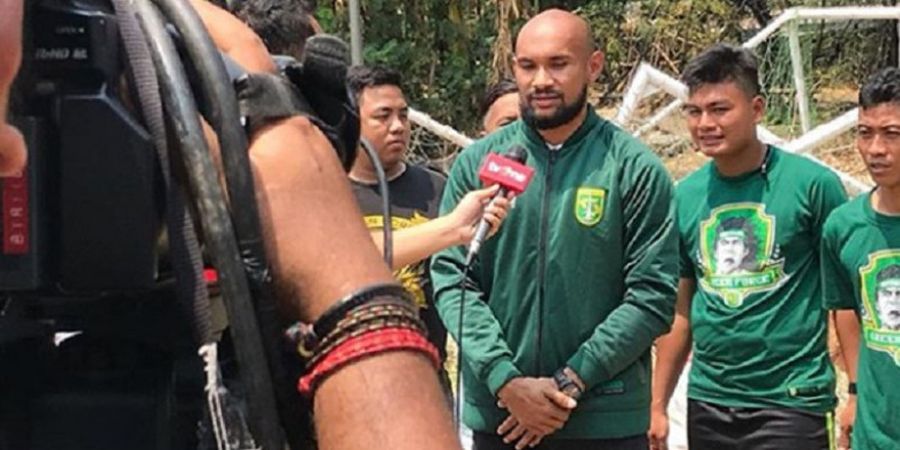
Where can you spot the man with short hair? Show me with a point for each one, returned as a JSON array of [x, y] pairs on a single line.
[[760, 373], [283, 25], [861, 273], [414, 192], [499, 106], [561, 307]]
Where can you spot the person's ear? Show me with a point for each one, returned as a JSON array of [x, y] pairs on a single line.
[[759, 108], [595, 65]]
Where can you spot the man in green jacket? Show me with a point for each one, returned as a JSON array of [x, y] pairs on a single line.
[[565, 301], [749, 298]]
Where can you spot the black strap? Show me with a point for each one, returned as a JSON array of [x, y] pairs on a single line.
[[186, 257], [264, 98]]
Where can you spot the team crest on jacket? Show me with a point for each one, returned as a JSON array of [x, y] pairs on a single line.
[[589, 205], [738, 255], [880, 293]]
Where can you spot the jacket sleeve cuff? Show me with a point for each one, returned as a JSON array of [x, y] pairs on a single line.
[[500, 374], [588, 368]]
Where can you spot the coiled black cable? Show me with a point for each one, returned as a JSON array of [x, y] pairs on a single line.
[[217, 228], [219, 105]]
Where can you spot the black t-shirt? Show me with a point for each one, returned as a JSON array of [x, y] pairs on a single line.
[[415, 196]]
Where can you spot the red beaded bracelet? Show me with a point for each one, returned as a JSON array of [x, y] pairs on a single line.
[[363, 346]]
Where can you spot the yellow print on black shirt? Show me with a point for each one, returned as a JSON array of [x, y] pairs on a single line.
[[412, 277]]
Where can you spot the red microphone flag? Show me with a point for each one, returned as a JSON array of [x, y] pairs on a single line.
[[509, 174]]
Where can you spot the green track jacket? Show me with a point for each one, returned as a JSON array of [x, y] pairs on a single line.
[[582, 273]]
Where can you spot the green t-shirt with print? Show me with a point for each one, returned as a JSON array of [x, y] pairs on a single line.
[[861, 271], [752, 244]]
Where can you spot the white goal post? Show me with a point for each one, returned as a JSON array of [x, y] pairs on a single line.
[[648, 80]]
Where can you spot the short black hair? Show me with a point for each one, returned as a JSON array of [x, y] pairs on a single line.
[[721, 63], [283, 25], [882, 87], [494, 92], [361, 77]]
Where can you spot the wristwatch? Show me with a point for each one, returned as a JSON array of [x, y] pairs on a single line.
[[566, 384]]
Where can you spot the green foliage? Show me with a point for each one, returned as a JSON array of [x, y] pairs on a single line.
[[445, 47], [442, 47]]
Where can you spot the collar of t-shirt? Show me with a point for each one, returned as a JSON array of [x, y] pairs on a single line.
[[375, 183], [554, 147]]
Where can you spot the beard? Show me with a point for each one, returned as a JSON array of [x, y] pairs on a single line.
[[563, 115]]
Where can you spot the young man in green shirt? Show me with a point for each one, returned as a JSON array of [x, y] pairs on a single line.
[[580, 279], [861, 273], [749, 297]]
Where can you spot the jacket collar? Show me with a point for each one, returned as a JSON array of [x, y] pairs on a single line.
[[535, 140]]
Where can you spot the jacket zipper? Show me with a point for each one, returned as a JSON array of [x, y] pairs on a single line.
[[542, 260]]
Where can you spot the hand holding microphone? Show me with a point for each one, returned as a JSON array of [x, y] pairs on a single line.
[[512, 176], [480, 204]]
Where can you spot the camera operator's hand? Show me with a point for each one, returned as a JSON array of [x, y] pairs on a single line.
[[12, 147]]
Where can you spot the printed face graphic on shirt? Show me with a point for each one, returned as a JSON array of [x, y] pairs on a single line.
[[734, 247], [880, 286], [889, 302], [738, 255]]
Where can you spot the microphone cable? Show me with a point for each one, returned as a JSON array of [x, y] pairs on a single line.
[[457, 404], [388, 232]]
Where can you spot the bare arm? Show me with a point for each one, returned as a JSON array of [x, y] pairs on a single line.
[[416, 243], [846, 324], [672, 351], [234, 38], [320, 252]]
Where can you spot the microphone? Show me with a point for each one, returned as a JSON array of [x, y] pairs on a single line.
[[511, 173], [325, 62]]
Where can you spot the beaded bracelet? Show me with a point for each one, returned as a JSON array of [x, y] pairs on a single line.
[[390, 322], [363, 346], [372, 320], [329, 319], [311, 347]]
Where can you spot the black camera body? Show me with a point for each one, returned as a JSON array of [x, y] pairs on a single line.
[[85, 216], [94, 351]]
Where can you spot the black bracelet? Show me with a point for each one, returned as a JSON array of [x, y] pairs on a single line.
[[308, 337], [330, 318], [386, 303], [851, 388]]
